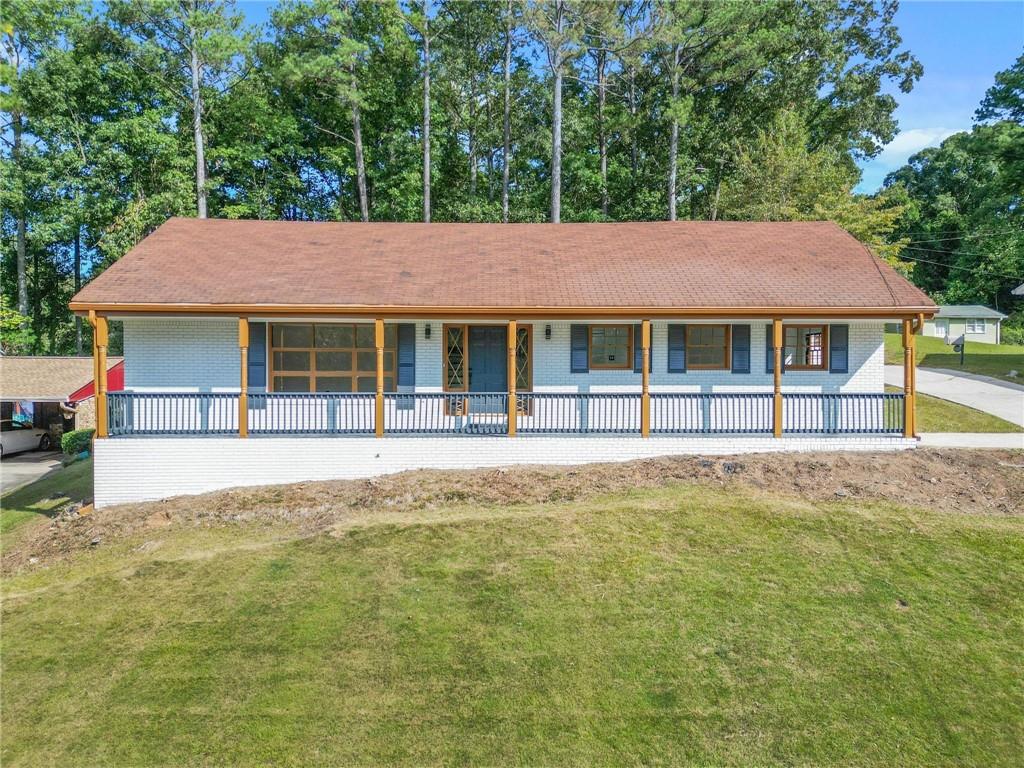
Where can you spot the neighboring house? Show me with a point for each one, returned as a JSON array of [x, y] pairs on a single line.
[[51, 393], [972, 321], [1019, 290], [349, 350]]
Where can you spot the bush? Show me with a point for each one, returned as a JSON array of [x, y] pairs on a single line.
[[76, 441]]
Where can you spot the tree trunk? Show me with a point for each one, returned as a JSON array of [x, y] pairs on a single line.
[[634, 163], [426, 115], [602, 141], [78, 287], [673, 144], [556, 118], [21, 237], [506, 151], [357, 137], [197, 128]]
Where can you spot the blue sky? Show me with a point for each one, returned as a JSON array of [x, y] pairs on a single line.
[[961, 46]]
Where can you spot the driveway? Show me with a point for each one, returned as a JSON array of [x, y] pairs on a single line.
[[22, 468], [979, 392]]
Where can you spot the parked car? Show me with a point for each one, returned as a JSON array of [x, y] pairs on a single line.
[[16, 436]]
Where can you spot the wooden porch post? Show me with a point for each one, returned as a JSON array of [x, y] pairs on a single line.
[[243, 391], [378, 417], [908, 379], [777, 372], [512, 409], [645, 379], [101, 340]]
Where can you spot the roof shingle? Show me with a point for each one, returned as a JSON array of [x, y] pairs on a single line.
[[666, 265]]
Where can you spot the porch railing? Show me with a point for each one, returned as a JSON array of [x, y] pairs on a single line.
[[318, 413], [486, 413], [437, 413], [172, 413]]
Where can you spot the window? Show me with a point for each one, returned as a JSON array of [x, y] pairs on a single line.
[[336, 357], [804, 347], [611, 346], [976, 325], [707, 347], [455, 358]]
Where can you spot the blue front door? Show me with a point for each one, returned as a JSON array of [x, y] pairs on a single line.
[[488, 364]]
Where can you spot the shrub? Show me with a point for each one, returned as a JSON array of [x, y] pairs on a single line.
[[76, 441]]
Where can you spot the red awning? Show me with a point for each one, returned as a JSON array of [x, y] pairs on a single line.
[[115, 383]]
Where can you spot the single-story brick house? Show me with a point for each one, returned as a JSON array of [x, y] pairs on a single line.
[[974, 322], [267, 352]]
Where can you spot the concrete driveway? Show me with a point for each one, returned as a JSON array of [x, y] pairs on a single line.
[[980, 392], [22, 468]]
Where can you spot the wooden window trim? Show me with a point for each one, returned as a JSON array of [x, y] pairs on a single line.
[[627, 364], [727, 357], [824, 348], [311, 374]]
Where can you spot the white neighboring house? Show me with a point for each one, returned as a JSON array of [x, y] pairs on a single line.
[[972, 321]]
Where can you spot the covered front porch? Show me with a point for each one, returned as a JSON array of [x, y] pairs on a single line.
[[478, 376]]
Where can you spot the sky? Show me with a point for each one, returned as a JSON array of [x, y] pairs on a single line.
[[961, 46]]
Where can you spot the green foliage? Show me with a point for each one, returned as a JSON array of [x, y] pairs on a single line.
[[76, 441], [105, 100], [16, 337]]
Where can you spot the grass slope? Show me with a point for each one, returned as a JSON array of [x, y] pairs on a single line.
[[672, 625], [72, 483], [937, 415], [996, 360]]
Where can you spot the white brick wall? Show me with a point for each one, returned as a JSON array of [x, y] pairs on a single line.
[[153, 468], [177, 355], [202, 355]]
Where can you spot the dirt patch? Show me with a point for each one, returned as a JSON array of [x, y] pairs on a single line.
[[944, 480]]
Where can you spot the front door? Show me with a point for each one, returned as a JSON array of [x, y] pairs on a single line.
[[488, 364]]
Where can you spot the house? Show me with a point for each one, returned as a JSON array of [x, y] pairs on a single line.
[[972, 321], [269, 352], [54, 393]]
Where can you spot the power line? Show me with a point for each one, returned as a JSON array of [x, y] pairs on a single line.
[[963, 269], [994, 233]]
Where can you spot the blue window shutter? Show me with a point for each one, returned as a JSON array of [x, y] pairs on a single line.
[[838, 348], [638, 350], [677, 348], [258, 355], [407, 354], [741, 349], [769, 351], [579, 355]]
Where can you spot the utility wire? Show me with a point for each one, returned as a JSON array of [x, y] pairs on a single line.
[[963, 269]]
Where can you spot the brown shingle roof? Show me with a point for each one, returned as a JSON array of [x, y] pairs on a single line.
[[44, 378], [663, 265]]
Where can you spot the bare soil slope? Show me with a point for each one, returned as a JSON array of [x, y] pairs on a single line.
[[957, 481]]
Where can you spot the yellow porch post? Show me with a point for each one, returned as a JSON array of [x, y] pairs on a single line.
[[101, 339], [908, 379], [378, 411], [645, 378], [777, 376], [243, 395], [512, 409]]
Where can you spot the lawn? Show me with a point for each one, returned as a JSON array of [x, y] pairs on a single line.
[[996, 360], [937, 415], [669, 625], [73, 483]]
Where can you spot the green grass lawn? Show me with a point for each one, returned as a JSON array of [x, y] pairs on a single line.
[[72, 483], [937, 415], [996, 360], [682, 624]]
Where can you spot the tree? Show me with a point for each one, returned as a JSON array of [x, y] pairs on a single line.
[[196, 46], [1005, 99]]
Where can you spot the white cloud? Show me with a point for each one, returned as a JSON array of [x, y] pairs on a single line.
[[909, 142]]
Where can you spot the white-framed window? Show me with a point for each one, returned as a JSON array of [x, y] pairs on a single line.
[[942, 328], [976, 325]]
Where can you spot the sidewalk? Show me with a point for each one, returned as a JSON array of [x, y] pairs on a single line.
[[972, 440], [978, 392]]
